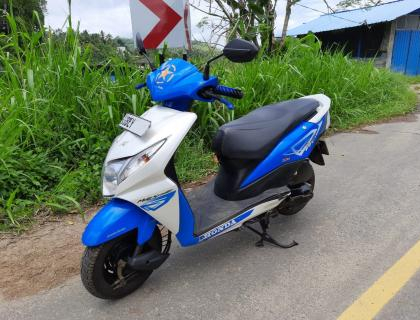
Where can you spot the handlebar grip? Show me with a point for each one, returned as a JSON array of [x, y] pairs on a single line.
[[229, 92]]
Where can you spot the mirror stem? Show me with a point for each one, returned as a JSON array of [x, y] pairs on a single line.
[[151, 65], [207, 67], [161, 58], [207, 71]]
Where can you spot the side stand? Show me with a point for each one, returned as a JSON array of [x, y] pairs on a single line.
[[264, 223]]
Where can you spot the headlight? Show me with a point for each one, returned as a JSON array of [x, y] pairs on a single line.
[[116, 171], [110, 176]]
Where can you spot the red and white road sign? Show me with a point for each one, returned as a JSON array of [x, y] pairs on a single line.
[[162, 21]]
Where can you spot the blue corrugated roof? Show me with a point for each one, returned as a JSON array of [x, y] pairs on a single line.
[[357, 17]]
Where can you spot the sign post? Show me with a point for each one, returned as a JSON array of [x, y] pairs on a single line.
[[162, 21]]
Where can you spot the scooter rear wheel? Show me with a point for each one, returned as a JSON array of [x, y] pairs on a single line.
[[104, 270], [288, 208]]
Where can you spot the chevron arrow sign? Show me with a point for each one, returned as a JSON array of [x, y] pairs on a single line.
[[162, 21]]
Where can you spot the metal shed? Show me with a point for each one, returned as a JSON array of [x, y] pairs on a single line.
[[390, 33]]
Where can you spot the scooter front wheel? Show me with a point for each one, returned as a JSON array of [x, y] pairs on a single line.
[[104, 270]]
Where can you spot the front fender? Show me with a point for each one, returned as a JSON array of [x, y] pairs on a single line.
[[116, 218]]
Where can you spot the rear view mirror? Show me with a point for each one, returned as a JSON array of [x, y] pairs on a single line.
[[239, 50], [140, 44], [142, 50]]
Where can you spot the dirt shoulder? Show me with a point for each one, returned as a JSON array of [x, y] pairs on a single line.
[[47, 255], [42, 258]]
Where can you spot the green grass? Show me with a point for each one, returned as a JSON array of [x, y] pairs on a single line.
[[360, 92], [194, 160], [59, 115], [412, 79]]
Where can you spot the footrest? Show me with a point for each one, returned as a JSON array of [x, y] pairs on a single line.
[[210, 211]]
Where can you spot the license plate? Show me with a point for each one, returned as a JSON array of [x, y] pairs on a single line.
[[135, 124]]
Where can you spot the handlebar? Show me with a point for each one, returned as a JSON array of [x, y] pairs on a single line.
[[228, 92], [216, 92]]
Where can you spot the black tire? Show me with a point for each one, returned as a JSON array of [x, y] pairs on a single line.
[[287, 208], [103, 271]]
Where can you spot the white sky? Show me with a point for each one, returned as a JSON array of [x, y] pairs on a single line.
[[113, 16]]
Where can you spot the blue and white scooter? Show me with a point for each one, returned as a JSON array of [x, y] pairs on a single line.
[[264, 171]]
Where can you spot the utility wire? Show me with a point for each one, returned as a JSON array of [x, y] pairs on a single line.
[[331, 14]]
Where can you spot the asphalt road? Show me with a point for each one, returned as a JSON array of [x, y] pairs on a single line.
[[364, 217]]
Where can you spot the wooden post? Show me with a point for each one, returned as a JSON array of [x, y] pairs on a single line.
[[390, 49], [289, 5]]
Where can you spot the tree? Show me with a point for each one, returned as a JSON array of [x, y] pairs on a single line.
[[252, 20], [24, 9], [345, 4], [289, 5]]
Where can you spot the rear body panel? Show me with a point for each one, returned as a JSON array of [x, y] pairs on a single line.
[[239, 179], [297, 145]]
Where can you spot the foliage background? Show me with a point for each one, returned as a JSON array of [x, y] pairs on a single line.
[[24, 9], [59, 109]]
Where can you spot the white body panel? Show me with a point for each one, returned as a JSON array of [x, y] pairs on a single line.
[[150, 180], [324, 107]]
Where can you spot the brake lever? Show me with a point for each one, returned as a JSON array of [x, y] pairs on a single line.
[[226, 102], [211, 95]]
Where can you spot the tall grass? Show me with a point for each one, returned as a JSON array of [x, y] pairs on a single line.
[[360, 92], [59, 115]]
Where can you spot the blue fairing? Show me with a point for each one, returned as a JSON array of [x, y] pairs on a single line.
[[176, 83], [296, 146], [116, 218], [185, 234]]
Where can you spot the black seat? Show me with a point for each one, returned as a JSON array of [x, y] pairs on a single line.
[[253, 136]]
